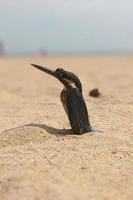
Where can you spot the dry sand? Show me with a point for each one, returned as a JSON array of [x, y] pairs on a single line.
[[38, 159]]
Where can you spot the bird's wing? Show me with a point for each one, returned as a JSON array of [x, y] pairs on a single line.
[[77, 111]]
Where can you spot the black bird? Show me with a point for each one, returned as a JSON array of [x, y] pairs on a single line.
[[72, 99]]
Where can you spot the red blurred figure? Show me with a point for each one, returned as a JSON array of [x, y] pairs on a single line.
[[2, 50]]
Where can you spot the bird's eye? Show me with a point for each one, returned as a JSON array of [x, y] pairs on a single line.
[[59, 71]]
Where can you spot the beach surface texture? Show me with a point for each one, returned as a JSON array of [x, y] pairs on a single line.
[[39, 158]]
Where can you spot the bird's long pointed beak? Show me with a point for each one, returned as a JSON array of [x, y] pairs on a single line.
[[51, 72], [45, 69]]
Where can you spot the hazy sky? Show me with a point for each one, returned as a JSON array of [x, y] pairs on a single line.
[[66, 25]]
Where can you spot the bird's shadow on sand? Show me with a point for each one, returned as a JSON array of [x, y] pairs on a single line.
[[51, 129], [48, 129]]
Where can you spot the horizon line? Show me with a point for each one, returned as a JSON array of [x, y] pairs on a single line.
[[67, 53]]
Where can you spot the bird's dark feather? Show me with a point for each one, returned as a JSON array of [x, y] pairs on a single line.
[[77, 111]]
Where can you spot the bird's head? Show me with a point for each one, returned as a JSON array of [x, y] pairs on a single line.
[[70, 77], [61, 74]]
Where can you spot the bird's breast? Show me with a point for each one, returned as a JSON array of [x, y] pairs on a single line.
[[63, 98]]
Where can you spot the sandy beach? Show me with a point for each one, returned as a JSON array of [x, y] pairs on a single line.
[[39, 159]]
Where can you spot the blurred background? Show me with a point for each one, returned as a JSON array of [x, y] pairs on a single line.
[[31, 27], [94, 40]]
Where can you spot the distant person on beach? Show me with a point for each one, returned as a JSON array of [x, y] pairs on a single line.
[[2, 52]]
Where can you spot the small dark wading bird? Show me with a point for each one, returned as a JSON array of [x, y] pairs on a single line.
[[72, 99]]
